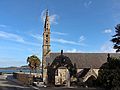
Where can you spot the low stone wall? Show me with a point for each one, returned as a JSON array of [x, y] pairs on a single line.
[[24, 78]]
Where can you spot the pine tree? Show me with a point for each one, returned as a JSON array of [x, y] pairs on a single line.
[[116, 38]]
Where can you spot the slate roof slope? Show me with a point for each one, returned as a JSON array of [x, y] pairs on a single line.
[[84, 60]]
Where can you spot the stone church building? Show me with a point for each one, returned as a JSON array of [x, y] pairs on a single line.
[[87, 64]]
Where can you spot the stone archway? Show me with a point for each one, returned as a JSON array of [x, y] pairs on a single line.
[[59, 61]]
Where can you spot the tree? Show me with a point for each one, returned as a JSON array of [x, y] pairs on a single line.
[[34, 63], [109, 74], [116, 38]]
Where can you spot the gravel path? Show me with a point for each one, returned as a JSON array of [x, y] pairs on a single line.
[[9, 85]]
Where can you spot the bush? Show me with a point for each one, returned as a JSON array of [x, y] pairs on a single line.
[[109, 74]]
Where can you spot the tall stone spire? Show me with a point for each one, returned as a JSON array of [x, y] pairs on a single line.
[[47, 22], [46, 44], [46, 35]]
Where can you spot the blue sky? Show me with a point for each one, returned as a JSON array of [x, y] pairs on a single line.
[[76, 26]]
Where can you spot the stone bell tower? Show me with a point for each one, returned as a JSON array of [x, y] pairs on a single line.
[[46, 45]]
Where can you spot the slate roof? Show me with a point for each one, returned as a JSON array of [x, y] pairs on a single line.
[[84, 60]]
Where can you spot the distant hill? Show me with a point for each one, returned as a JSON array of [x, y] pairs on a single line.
[[15, 68], [10, 68], [25, 67]]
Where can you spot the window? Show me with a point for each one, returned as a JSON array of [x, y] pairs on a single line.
[[46, 35], [47, 41]]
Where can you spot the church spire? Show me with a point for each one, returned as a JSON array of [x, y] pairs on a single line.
[[46, 35], [47, 22], [46, 43], [46, 12]]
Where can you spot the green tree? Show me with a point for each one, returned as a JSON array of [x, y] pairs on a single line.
[[109, 74], [33, 62], [116, 38]]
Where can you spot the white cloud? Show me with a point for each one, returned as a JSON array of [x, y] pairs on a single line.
[[11, 36], [66, 41], [52, 17], [73, 51], [2, 25], [63, 41], [37, 36], [15, 37], [87, 3], [59, 33], [107, 48], [82, 38], [107, 31], [60, 40]]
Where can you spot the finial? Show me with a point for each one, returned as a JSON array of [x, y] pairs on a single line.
[[108, 58], [108, 55], [46, 12], [61, 52]]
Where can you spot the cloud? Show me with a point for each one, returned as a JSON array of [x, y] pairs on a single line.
[[82, 38], [107, 48], [59, 33], [87, 3], [37, 36], [16, 38], [59, 40], [11, 36], [63, 41], [73, 51], [52, 17], [107, 31], [2, 25]]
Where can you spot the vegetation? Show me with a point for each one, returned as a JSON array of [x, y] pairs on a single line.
[[34, 63], [116, 38], [109, 74]]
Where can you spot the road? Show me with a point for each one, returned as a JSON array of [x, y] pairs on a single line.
[[9, 85]]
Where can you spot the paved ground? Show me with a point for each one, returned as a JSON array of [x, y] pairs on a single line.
[[61, 88], [9, 85]]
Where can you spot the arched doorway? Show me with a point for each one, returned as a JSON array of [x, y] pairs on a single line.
[[61, 76], [60, 61]]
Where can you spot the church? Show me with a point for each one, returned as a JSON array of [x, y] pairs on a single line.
[[87, 64]]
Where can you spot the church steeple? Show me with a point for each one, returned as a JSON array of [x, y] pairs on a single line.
[[46, 35], [46, 43], [47, 22], [46, 12]]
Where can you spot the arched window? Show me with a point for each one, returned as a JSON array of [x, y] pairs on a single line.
[[46, 35], [46, 41]]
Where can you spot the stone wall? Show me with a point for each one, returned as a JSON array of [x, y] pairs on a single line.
[[24, 78]]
